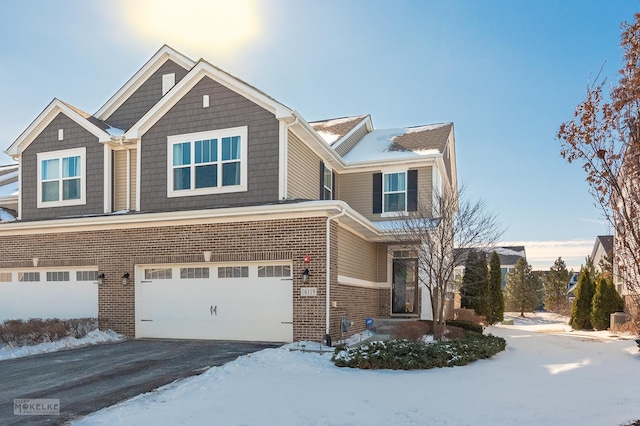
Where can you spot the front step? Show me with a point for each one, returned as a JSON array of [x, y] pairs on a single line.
[[386, 325]]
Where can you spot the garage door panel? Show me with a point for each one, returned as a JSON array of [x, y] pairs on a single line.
[[239, 308]]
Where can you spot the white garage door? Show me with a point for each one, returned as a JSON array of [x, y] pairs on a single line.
[[48, 293], [252, 302]]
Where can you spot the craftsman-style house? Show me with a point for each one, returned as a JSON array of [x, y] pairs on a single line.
[[193, 205]]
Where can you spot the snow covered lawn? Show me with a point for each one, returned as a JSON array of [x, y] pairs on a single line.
[[92, 338], [547, 376]]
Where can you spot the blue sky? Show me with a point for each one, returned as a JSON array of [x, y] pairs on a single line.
[[506, 72]]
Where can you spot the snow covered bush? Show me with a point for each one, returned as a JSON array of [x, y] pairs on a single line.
[[408, 355]]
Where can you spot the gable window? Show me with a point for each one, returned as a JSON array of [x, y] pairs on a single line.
[[207, 162], [394, 192], [61, 178]]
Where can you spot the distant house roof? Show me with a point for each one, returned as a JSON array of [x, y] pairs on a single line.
[[509, 255], [334, 129], [408, 142], [606, 241]]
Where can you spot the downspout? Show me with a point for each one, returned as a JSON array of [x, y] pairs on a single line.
[[128, 205], [328, 270]]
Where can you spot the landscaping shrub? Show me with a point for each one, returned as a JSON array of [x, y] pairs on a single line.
[[407, 355], [469, 315], [36, 330], [466, 325], [412, 330], [454, 333]]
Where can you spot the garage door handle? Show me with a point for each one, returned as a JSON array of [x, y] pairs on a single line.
[[214, 310]]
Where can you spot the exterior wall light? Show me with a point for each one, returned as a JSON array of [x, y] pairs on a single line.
[[100, 278], [305, 275], [125, 278]]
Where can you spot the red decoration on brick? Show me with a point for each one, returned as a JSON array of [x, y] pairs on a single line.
[[307, 259]]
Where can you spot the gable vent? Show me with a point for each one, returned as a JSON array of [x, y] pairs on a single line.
[[168, 81]]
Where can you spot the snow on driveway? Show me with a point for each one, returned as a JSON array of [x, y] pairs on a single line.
[[92, 338], [547, 376]]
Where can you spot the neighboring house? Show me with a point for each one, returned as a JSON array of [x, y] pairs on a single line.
[[509, 255], [193, 205], [8, 192], [602, 250]]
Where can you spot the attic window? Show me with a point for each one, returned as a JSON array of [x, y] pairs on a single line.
[[168, 81], [60, 134], [205, 101]]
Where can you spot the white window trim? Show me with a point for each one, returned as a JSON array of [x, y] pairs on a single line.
[[214, 134], [395, 213], [168, 81], [82, 152]]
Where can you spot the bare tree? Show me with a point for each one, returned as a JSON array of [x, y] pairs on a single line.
[[604, 137], [432, 231]]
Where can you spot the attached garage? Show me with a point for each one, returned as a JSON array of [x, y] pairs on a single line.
[[249, 301], [48, 293]]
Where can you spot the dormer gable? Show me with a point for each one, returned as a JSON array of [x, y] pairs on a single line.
[[161, 58], [201, 70], [89, 123]]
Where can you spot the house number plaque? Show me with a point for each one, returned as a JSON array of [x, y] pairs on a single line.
[[308, 291]]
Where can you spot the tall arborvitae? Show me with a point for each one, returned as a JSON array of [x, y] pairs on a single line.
[[468, 289], [521, 292], [581, 309], [474, 288], [495, 313], [606, 301], [555, 287]]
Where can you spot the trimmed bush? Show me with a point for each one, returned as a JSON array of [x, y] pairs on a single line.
[[412, 330], [36, 330], [469, 315], [407, 355], [466, 325]]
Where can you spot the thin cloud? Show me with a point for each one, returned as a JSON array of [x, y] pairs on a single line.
[[542, 254]]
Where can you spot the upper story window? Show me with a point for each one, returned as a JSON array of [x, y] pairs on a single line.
[[328, 184], [395, 192], [207, 162], [61, 178]]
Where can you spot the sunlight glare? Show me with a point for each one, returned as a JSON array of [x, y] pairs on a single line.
[[218, 27], [562, 368]]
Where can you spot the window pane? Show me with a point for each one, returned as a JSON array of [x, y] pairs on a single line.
[[182, 154], [71, 167], [50, 169], [327, 194], [206, 151], [181, 178], [50, 191], [231, 148], [71, 189], [230, 174], [394, 182], [394, 202], [328, 177], [206, 176]]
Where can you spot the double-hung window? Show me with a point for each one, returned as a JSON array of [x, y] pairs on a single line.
[[394, 192], [61, 178], [207, 162]]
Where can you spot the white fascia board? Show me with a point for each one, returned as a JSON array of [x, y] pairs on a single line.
[[198, 72], [44, 119], [307, 134], [165, 53], [8, 176], [391, 164], [228, 215], [366, 122]]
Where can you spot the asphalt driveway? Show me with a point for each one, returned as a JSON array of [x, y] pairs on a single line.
[[88, 379]]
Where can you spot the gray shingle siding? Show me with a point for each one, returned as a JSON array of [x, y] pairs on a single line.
[[227, 109], [75, 136], [143, 99]]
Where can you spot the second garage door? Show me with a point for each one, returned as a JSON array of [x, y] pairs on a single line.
[[252, 302]]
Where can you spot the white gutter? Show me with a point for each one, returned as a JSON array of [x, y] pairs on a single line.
[[328, 267]]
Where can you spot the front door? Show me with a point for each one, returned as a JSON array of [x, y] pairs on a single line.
[[405, 286]]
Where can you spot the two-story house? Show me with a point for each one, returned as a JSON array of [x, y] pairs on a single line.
[[193, 205]]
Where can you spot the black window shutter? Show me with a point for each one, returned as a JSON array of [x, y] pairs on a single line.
[[322, 180], [377, 192], [412, 190], [333, 185]]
